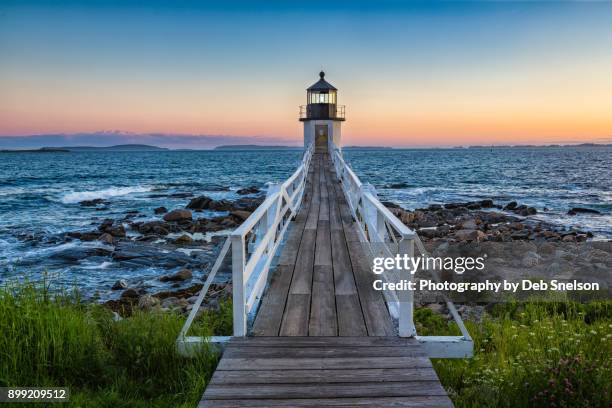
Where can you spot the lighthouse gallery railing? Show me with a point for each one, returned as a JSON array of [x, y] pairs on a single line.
[[255, 242]]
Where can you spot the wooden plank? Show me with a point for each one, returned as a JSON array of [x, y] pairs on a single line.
[[397, 402], [375, 313], [302, 274], [323, 376], [323, 321], [322, 363], [325, 342], [315, 200], [323, 255], [338, 390], [350, 317], [270, 313], [295, 318], [290, 247], [322, 352], [343, 274]]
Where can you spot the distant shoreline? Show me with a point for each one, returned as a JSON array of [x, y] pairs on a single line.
[[250, 147]]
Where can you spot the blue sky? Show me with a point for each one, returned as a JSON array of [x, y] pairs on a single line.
[[409, 72]]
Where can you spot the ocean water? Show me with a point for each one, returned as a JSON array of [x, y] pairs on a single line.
[[40, 192]]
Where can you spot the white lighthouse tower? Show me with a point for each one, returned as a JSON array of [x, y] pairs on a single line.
[[322, 117]]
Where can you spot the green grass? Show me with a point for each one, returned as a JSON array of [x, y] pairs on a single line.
[[538, 354], [53, 339]]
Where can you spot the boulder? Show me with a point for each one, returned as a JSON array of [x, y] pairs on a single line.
[[580, 210], [199, 203], [390, 204], [120, 284], [241, 215], [182, 275], [183, 239], [511, 205], [130, 294], [106, 238], [92, 203], [470, 235], [469, 225], [178, 215], [160, 210], [147, 302], [248, 190], [530, 259]]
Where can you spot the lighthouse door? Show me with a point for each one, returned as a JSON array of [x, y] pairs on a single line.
[[321, 139]]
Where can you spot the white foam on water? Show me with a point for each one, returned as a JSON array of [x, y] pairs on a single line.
[[78, 196], [103, 265]]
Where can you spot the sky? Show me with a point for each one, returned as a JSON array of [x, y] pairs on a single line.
[[436, 73]]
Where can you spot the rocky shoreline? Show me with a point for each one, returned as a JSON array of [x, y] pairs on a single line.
[[174, 241]]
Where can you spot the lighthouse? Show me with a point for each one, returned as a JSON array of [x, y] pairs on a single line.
[[322, 117]]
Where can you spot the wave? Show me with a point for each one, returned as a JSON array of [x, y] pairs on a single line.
[[78, 196]]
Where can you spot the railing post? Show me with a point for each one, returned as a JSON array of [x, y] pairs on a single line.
[[406, 297], [239, 298]]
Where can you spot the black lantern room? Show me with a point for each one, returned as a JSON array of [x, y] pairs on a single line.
[[322, 102]]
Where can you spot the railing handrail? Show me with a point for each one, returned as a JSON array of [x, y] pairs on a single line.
[[269, 223], [380, 229]]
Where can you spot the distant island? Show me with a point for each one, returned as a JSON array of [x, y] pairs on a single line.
[[256, 147], [367, 148], [533, 146], [67, 149]]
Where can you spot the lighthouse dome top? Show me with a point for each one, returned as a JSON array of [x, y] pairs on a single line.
[[322, 84]]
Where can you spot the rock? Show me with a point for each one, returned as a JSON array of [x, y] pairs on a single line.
[[469, 224], [428, 233], [511, 205], [390, 204], [530, 259], [75, 254], [160, 210], [129, 294], [92, 203], [241, 215], [473, 206], [569, 238], [169, 302], [89, 236], [470, 235], [106, 238], [487, 204], [120, 284], [580, 210], [182, 275], [199, 203], [547, 249], [248, 190], [525, 211], [117, 231], [183, 239], [178, 215], [147, 302], [397, 185]]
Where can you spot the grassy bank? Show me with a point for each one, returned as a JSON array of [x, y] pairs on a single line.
[[53, 339], [526, 355], [548, 354]]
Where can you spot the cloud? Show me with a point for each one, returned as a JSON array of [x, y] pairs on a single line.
[[110, 138]]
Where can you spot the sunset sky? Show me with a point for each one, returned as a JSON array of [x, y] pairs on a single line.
[[410, 73]]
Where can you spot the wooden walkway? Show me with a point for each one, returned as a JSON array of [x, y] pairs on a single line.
[[322, 335]]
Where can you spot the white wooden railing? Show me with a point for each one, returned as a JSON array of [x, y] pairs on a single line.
[[254, 244], [384, 235], [252, 247]]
